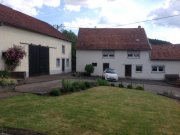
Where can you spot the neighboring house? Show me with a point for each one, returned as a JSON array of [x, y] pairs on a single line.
[[128, 51], [48, 51]]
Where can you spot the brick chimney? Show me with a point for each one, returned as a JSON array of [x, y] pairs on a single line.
[[139, 26]]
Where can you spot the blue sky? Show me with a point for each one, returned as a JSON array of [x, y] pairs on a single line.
[[106, 13]]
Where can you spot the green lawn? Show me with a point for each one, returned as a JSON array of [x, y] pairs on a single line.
[[97, 111]]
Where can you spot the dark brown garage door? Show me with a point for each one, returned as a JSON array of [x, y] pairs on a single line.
[[38, 60]]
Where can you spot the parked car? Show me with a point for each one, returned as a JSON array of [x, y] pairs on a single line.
[[110, 74]]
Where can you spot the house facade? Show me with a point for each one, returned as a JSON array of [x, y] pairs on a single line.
[[128, 51], [48, 51]]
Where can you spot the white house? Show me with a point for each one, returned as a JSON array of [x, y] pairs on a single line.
[[48, 51], [128, 51]]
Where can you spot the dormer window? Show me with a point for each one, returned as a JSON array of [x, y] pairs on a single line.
[[133, 54]]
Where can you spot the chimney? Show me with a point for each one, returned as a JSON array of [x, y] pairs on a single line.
[[139, 26]]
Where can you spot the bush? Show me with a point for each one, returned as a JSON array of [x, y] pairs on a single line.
[[129, 86], [89, 69], [112, 84], [82, 85], [139, 88], [102, 82], [76, 86], [66, 85], [8, 82], [55, 92], [88, 85], [121, 85], [4, 74]]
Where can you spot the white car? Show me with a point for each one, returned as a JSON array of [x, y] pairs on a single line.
[[110, 74]]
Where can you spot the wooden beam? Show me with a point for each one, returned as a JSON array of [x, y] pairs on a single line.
[[35, 44]]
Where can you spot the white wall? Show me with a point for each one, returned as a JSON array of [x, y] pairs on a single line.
[[84, 57], [10, 36]]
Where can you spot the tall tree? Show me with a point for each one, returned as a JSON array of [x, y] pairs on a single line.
[[73, 37], [159, 42]]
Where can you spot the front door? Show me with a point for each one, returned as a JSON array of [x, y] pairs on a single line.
[[105, 65], [128, 70], [38, 60], [63, 65]]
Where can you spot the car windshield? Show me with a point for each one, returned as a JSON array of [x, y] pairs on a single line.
[[112, 71]]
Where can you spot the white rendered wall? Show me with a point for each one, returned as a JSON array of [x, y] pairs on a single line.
[[10, 36], [84, 57]]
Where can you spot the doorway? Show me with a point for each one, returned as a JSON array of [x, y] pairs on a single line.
[[63, 65], [128, 70], [105, 65]]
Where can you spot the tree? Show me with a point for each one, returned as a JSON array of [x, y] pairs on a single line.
[[89, 69], [73, 38], [158, 42]]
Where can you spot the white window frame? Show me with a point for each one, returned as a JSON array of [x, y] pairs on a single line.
[[134, 54], [58, 62], [139, 71], [63, 49], [67, 62], [108, 54], [158, 66]]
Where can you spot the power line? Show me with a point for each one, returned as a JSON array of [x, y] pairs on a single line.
[[155, 19]]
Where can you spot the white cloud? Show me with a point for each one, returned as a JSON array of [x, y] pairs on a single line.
[[72, 8], [30, 7], [171, 7]]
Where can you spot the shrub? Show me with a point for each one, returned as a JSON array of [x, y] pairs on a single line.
[[66, 85], [13, 57], [89, 69], [129, 86], [102, 82], [88, 85], [76, 86], [82, 85], [4, 74], [7, 82], [55, 92], [139, 88], [112, 84], [121, 85]]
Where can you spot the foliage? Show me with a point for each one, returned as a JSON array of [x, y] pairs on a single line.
[[7, 82], [73, 38], [129, 86], [89, 69], [112, 84], [139, 88], [13, 57], [159, 42], [121, 85], [88, 85], [66, 85], [82, 85], [4, 74], [55, 92], [102, 82]]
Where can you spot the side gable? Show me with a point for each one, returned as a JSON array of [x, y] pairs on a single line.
[[112, 39], [17, 19]]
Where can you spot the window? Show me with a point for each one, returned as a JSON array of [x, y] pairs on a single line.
[[57, 62], [94, 64], [67, 62], [158, 69], [63, 49], [139, 68], [133, 54], [108, 54]]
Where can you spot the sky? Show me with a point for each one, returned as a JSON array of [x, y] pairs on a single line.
[[106, 14]]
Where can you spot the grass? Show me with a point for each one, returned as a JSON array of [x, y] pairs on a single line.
[[97, 111]]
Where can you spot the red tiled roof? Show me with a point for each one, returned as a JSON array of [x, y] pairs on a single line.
[[15, 18], [112, 38], [165, 52]]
